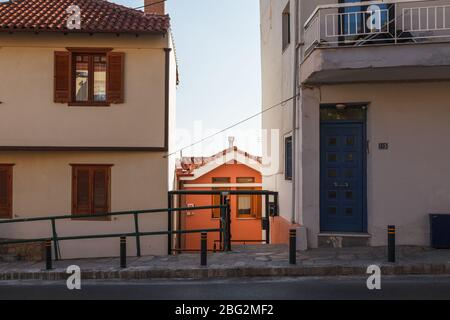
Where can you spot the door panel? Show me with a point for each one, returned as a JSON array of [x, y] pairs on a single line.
[[342, 177]]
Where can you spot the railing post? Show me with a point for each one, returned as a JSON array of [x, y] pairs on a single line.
[[293, 246], [319, 31], [266, 216], [55, 240], [228, 223], [223, 223], [123, 252], [391, 243], [138, 237], [169, 223], [222, 220], [277, 204], [204, 249], [395, 22], [48, 255]]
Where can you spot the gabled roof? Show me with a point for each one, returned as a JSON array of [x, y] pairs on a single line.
[[189, 166], [97, 16]]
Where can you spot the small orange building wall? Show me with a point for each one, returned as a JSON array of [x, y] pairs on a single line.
[[241, 228], [279, 230]]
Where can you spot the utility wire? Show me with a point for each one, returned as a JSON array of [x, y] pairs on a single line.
[[282, 103]]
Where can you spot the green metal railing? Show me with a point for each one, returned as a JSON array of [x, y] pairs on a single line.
[[137, 234], [271, 209]]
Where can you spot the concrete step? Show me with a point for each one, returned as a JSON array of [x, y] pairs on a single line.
[[343, 240], [9, 258]]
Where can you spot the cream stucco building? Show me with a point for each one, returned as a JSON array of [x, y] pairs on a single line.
[[85, 120], [364, 141]]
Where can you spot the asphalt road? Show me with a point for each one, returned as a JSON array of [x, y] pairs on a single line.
[[405, 287]]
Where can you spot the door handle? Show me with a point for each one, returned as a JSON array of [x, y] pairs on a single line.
[[341, 185]]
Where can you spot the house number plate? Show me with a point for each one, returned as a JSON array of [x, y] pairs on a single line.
[[383, 146]]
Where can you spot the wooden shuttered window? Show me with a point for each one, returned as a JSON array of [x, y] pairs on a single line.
[[5, 191], [91, 185], [100, 190], [248, 206], [115, 77], [89, 77], [82, 197], [62, 77]]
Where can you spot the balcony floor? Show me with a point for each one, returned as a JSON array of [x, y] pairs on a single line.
[[376, 63]]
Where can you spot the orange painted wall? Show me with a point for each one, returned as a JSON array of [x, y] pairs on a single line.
[[241, 229], [279, 230]]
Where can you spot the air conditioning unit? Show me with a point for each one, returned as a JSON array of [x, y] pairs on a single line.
[[440, 231]]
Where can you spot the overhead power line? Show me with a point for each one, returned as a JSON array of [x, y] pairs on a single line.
[[282, 103]]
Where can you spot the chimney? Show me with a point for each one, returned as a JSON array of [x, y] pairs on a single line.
[[154, 7], [231, 142]]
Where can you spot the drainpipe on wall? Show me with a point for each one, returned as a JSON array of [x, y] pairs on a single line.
[[294, 113]]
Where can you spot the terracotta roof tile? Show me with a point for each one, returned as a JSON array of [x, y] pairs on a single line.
[[96, 16]]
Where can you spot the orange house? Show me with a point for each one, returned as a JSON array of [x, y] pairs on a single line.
[[231, 169]]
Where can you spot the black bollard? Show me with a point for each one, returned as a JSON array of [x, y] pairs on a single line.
[[391, 243], [123, 252], [48, 255], [293, 246], [204, 249]]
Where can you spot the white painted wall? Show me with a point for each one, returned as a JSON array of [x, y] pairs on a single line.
[[42, 181], [26, 92], [406, 182], [42, 186], [277, 85]]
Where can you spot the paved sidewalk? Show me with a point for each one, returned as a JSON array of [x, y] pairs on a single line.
[[244, 261]]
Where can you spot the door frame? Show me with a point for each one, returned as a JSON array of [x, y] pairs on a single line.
[[363, 121]]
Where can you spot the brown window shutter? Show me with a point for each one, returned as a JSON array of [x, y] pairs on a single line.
[[5, 192], [115, 77], [101, 190], [81, 201], [62, 77]]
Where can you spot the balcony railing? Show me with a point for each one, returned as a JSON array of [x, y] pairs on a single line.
[[377, 22]]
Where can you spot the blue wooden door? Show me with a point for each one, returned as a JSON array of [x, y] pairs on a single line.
[[342, 177]]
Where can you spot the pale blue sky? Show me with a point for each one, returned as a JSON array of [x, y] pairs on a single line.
[[218, 50]]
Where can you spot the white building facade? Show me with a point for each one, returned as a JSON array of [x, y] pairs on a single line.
[[364, 141]]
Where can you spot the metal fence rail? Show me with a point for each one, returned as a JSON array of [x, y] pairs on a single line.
[[271, 209], [377, 22], [136, 234]]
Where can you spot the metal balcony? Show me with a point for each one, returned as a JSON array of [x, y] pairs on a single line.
[[377, 41], [378, 22]]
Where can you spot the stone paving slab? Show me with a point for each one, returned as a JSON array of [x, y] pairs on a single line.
[[243, 261]]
